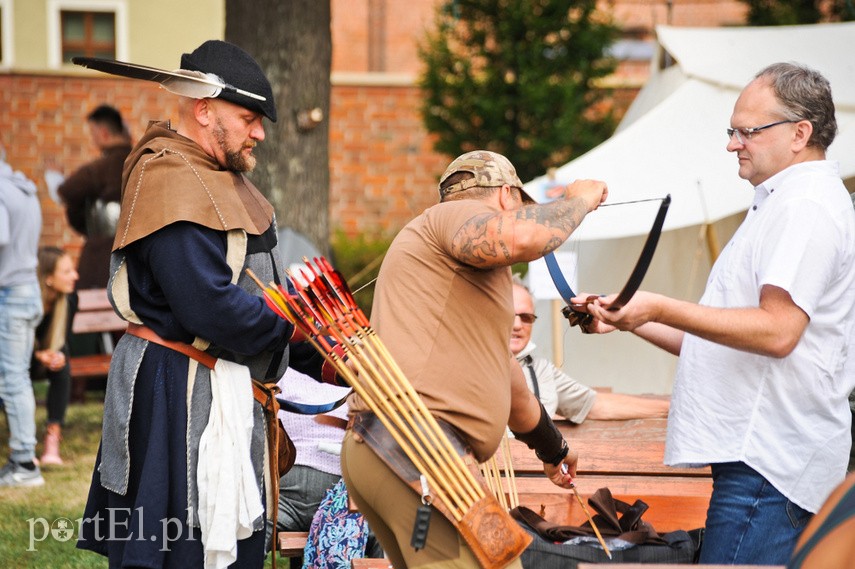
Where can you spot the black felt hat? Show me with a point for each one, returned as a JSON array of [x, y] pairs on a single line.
[[237, 68]]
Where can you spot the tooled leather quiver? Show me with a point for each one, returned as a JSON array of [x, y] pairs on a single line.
[[494, 537]]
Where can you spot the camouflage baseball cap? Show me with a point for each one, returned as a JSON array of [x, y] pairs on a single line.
[[490, 170]]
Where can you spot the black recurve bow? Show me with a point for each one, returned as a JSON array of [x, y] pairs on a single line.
[[576, 317]]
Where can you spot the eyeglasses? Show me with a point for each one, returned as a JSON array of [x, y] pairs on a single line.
[[527, 317], [743, 134]]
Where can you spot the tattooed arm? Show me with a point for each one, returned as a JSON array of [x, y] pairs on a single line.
[[526, 232]]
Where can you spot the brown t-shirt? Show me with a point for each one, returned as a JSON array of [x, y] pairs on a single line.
[[447, 325]]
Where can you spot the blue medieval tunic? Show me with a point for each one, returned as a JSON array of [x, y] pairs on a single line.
[[186, 281]]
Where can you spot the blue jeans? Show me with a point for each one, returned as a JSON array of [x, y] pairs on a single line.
[[749, 522], [20, 312]]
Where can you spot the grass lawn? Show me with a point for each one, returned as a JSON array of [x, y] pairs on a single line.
[[28, 514]]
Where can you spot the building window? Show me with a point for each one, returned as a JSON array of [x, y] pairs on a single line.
[[90, 34], [89, 28]]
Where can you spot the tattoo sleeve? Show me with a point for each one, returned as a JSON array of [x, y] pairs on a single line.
[[489, 240]]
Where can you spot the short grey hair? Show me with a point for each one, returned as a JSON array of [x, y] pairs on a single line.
[[805, 95]]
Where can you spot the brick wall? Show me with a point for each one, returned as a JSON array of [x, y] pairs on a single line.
[[386, 29], [644, 15], [43, 126], [383, 169]]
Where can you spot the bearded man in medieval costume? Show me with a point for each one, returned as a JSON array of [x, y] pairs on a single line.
[[180, 478]]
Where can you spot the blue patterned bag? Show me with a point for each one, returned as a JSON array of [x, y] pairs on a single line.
[[336, 535]]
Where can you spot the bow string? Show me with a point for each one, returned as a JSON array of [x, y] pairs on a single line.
[[582, 319]]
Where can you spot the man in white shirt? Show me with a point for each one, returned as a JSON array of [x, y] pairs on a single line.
[[763, 378]]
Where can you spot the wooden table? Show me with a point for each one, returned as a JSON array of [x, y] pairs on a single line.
[[625, 457]]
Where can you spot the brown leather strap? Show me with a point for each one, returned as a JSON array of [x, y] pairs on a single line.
[[493, 537], [615, 518], [266, 395], [147, 333], [331, 421]]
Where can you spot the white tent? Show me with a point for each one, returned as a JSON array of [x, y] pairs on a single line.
[[672, 141]]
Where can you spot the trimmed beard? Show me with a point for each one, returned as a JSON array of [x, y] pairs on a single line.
[[236, 161]]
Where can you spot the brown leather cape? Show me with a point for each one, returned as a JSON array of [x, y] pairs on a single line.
[[169, 178]]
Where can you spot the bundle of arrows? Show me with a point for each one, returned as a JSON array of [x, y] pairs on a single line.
[[325, 312]]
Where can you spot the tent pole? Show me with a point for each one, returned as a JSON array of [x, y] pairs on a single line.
[[712, 242], [557, 345]]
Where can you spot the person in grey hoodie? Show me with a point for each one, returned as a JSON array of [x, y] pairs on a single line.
[[20, 313]]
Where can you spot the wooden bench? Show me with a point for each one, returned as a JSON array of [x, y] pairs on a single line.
[[626, 457], [384, 564], [366, 563], [292, 543], [94, 315]]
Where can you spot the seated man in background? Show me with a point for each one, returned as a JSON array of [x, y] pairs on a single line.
[[558, 392]]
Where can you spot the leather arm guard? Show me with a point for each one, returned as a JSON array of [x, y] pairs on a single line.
[[545, 440]]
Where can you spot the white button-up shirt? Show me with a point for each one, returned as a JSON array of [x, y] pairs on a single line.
[[788, 418]]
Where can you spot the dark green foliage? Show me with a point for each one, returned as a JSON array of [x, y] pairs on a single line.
[[520, 269], [518, 77], [841, 10], [792, 12], [358, 260], [782, 12]]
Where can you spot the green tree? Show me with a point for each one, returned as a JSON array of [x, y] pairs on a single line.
[[518, 77], [792, 12]]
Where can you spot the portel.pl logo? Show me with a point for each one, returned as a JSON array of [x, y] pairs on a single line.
[[115, 527], [60, 529]]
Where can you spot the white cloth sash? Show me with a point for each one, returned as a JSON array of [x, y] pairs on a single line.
[[229, 499]]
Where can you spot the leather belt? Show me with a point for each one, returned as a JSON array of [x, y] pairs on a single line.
[[494, 538], [147, 333], [331, 421], [264, 394]]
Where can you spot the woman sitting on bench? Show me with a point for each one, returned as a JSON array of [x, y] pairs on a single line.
[[57, 277]]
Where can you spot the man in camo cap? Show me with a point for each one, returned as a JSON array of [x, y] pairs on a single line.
[[489, 170], [443, 305]]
